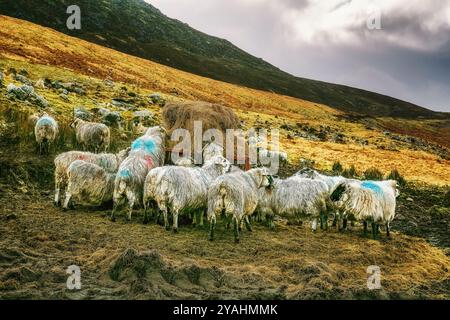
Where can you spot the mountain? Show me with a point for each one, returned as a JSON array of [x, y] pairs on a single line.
[[136, 27]]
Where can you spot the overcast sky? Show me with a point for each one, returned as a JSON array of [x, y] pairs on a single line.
[[408, 58]]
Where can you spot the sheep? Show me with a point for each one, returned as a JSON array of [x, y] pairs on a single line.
[[109, 162], [88, 183], [211, 150], [296, 197], [147, 152], [332, 182], [163, 185], [368, 201], [184, 162], [91, 135], [45, 132], [235, 194]]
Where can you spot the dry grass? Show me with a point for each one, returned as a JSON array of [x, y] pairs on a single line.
[[25, 41], [291, 262]]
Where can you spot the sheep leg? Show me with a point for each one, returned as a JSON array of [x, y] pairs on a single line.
[[374, 230], [57, 194], [344, 224], [175, 220], [323, 221], [146, 213], [269, 220], [236, 225], [212, 226], [194, 218], [117, 204], [67, 200], [388, 229], [314, 225], [165, 215], [202, 213], [247, 224], [365, 228]]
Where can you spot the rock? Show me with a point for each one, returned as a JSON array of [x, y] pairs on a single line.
[[121, 103], [157, 99], [22, 79], [23, 72], [40, 84], [21, 93], [64, 97], [143, 116], [112, 118], [109, 83], [82, 113]]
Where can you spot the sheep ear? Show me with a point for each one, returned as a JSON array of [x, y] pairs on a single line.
[[337, 193]]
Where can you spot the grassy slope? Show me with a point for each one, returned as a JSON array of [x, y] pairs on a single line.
[[137, 28], [20, 40]]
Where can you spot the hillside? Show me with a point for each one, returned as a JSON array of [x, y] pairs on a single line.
[[130, 260], [137, 28]]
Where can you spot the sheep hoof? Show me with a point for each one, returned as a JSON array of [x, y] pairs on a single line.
[[64, 209], [175, 230], [56, 204], [113, 219], [167, 228], [236, 240], [145, 221]]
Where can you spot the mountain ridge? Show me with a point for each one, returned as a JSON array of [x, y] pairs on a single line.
[[138, 28]]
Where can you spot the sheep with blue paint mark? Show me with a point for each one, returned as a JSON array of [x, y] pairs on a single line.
[[45, 131], [147, 152], [92, 136], [181, 189], [108, 161], [88, 184], [367, 201]]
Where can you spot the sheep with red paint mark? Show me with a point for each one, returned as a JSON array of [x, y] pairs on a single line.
[[108, 161], [147, 152]]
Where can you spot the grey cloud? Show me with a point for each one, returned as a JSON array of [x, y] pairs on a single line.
[[419, 73]]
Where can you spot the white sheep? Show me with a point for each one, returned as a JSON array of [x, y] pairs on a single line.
[[88, 184], [184, 162], [236, 195], [368, 201], [147, 152], [297, 198], [212, 150], [332, 182], [108, 161], [45, 131], [180, 189], [92, 135]]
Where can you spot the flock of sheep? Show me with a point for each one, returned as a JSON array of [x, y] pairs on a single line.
[[137, 177]]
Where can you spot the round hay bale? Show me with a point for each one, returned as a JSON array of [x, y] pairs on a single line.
[[213, 116]]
